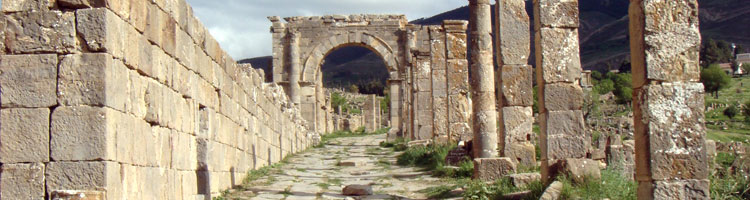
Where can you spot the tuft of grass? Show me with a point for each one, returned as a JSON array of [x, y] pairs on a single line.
[[323, 185], [259, 173], [398, 145], [335, 181]]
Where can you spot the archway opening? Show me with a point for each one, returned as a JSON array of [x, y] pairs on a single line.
[[351, 66]]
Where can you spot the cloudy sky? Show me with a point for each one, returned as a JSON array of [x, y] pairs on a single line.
[[242, 29]]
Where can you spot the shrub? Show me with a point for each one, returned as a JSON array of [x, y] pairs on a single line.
[[746, 111], [714, 79], [611, 186], [731, 111]]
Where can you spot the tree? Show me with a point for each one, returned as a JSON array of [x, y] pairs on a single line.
[[604, 86], [714, 79], [731, 111], [746, 111], [746, 68], [623, 87], [353, 88], [596, 75]]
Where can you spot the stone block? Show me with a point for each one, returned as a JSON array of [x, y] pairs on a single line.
[[24, 135], [22, 181], [513, 36], [558, 54], [516, 124], [491, 169], [515, 85], [78, 195], [94, 79], [522, 154], [97, 175], [83, 133], [456, 45], [102, 30], [669, 119], [40, 32], [139, 14], [562, 97], [563, 123], [28, 80], [561, 146], [668, 48], [9, 6], [556, 13], [675, 189]]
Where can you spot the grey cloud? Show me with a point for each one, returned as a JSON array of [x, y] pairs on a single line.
[[242, 29]]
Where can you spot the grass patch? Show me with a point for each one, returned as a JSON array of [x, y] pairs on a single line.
[[612, 186], [440, 192], [334, 181], [730, 187], [480, 190]]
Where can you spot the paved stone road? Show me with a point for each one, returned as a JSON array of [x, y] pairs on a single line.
[[315, 174]]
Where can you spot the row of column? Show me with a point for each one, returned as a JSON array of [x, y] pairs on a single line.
[[668, 102]]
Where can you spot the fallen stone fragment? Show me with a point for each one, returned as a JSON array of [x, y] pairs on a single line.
[[357, 190], [553, 191], [521, 180]]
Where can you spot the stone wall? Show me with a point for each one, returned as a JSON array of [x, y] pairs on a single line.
[[132, 98]]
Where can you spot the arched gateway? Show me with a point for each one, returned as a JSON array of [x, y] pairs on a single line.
[[426, 65]]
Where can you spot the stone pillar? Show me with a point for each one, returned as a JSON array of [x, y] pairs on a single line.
[[439, 84], [395, 106], [296, 67], [558, 67], [278, 32], [370, 115], [668, 104], [482, 80], [457, 69], [514, 82]]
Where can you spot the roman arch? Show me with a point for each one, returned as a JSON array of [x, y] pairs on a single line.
[[420, 60]]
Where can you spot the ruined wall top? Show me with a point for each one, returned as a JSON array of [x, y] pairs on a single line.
[[342, 20]]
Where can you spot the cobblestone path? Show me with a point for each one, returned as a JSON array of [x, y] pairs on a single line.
[[317, 174]]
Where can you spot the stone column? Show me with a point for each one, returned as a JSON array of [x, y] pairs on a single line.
[[457, 69], [558, 67], [296, 68], [370, 115], [395, 106], [514, 81], [482, 80], [668, 104]]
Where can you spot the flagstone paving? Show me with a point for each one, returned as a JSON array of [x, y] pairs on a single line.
[[316, 174]]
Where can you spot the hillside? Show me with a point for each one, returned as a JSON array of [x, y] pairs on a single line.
[[603, 35]]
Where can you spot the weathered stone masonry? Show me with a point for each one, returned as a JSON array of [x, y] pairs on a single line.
[[425, 64], [670, 136], [133, 99]]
